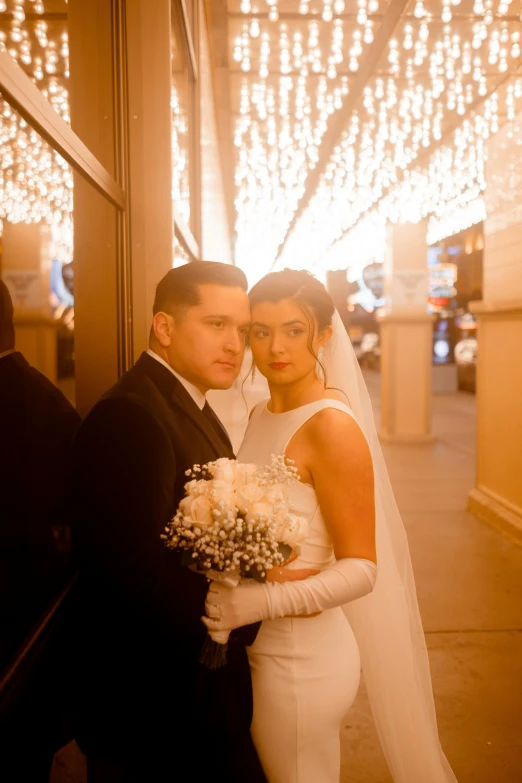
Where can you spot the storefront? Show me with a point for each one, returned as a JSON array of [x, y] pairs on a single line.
[[455, 280], [110, 174], [112, 178]]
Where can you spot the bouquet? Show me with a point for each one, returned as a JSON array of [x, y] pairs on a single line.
[[235, 519]]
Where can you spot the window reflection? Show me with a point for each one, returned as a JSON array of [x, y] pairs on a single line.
[[181, 256], [36, 36], [180, 157], [36, 183], [37, 418], [182, 104]]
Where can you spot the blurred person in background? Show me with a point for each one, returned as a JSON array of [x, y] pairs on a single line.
[[37, 426]]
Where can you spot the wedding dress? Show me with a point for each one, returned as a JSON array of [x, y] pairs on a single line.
[[295, 662], [305, 671]]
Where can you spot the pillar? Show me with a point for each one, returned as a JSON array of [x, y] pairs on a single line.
[[93, 119], [216, 232], [406, 338], [126, 123], [26, 270], [148, 30], [497, 496]]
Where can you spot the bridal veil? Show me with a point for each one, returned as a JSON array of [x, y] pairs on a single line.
[[387, 623]]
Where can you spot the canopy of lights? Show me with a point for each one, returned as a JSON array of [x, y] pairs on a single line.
[[35, 182], [348, 115], [351, 114]]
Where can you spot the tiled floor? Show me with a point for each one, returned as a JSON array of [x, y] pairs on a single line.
[[469, 583]]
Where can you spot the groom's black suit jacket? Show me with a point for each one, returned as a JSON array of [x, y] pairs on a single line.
[[139, 687]]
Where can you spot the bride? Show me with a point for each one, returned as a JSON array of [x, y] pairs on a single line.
[[358, 604]]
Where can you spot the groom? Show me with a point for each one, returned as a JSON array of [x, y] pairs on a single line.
[[146, 710]]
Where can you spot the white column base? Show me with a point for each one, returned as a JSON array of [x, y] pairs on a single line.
[[496, 513]]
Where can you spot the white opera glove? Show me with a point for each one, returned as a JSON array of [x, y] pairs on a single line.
[[249, 602], [232, 607]]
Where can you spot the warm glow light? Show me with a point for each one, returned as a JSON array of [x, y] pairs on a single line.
[[282, 120], [180, 147], [416, 146], [36, 184], [455, 221]]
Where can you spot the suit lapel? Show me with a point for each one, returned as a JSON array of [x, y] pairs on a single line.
[[178, 397], [182, 399]]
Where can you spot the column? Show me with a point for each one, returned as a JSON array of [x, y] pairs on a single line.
[[148, 30], [216, 231], [26, 270], [120, 108], [406, 338], [93, 118], [497, 496]]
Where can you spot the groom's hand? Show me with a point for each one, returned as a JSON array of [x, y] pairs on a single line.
[[229, 608]]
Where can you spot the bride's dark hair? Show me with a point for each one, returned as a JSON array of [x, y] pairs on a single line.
[[305, 289]]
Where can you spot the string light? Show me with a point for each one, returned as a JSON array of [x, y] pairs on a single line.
[[294, 78], [36, 183], [292, 85], [436, 68], [180, 162]]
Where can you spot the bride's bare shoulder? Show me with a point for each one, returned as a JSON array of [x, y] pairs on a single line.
[[332, 425]]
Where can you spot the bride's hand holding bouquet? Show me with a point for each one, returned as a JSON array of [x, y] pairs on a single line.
[[235, 524]]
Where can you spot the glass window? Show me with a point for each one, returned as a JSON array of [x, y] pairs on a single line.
[[36, 36], [181, 254], [184, 142], [37, 424], [190, 11]]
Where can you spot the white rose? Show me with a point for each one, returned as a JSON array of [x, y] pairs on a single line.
[[246, 473], [279, 523], [248, 495], [261, 509], [276, 493], [224, 469], [222, 490], [199, 509], [292, 531], [196, 487]]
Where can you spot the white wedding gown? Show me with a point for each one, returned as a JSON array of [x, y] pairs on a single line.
[[305, 671]]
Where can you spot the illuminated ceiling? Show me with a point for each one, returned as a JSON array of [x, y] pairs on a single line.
[[349, 114], [345, 115]]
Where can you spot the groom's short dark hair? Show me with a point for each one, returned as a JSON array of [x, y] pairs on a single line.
[[179, 289]]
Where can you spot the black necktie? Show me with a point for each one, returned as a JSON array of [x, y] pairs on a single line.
[[218, 428]]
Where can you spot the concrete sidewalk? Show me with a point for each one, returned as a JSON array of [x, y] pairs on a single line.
[[469, 583]]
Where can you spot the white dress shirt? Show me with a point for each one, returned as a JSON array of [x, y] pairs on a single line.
[[195, 393]]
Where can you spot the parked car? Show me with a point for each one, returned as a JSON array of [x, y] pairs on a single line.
[[466, 360]]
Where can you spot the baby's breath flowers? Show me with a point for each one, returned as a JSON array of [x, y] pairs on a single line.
[[235, 519]]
